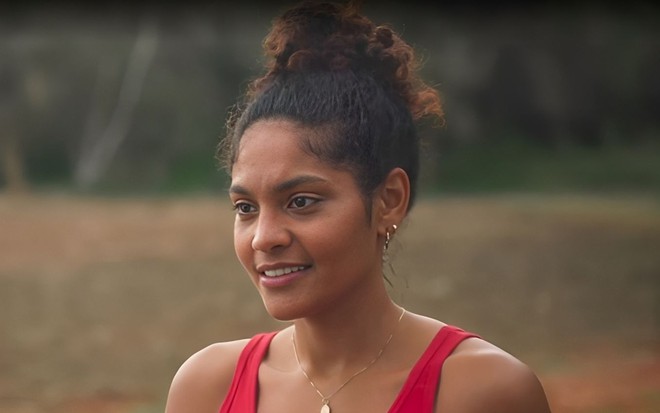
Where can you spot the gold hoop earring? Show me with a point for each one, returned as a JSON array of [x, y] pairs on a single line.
[[388, 236]]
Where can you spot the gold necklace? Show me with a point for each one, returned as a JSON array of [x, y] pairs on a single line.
[[325, 400]]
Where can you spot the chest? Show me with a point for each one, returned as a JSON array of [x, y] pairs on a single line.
[[290, 392]]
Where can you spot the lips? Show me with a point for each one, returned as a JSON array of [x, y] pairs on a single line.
[[278, 269], [283, 271], [280, 275]]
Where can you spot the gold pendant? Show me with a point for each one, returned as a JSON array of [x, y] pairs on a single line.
[[325, 408]]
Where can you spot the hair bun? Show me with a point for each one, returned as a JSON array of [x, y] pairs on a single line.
[[384, 36], [327, 36], [317, 36]]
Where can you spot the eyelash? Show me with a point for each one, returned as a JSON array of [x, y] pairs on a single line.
[[308, 202], [306, 198], [237, 207]]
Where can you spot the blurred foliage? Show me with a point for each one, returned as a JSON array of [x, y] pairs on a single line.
[[516, 165], [537, 98]]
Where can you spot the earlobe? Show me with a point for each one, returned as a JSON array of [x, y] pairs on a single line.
[[393, 198]]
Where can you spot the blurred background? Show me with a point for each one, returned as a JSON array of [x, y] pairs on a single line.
[[538, 225]]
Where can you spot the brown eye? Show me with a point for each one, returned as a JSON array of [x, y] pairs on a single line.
[[301, 202], [244, 208]]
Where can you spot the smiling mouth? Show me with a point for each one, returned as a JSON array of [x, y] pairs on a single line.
[[282, 271]]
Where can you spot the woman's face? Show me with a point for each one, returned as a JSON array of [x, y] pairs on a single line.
[[301, 232]]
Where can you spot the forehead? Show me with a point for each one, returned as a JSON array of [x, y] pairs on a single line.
[[273, 149], [270, 140]]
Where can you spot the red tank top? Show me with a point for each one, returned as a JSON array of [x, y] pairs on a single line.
[[416, 396]]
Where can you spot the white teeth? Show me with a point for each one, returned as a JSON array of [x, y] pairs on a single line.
[[282, 271]]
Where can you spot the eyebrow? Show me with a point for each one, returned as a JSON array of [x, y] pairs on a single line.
[[282, 186]]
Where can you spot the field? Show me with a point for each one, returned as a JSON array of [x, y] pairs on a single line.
[[102, 299]]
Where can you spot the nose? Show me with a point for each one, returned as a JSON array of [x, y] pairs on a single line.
[[270, 233]]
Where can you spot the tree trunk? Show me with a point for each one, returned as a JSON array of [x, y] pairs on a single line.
[[12, 164], [100, 146]]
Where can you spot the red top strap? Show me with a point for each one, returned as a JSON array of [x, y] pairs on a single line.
[[417, 395], [244, 390], [420, 389]]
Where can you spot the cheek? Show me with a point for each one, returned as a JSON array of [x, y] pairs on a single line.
[[346, 239], [242, 246]]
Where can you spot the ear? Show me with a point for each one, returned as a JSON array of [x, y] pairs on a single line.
[[392, 200]]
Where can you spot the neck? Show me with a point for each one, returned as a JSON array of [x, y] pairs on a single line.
[[339, 343]]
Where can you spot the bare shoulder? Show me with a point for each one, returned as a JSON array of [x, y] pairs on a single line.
[[481, 377], [202, 382]]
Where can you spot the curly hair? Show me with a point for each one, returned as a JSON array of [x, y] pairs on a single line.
[[355, 83]]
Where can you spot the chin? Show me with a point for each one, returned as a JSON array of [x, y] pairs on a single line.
[[286, 309], [281, 311]]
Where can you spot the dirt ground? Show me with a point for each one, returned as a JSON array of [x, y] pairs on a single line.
[[102, 299]]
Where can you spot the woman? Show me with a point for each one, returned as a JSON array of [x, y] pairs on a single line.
[[323, 159]]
